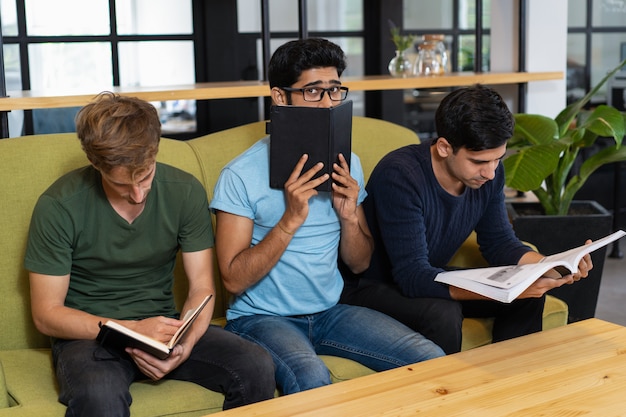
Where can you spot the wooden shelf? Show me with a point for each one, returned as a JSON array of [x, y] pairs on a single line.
[[456, 79], [26, 100]]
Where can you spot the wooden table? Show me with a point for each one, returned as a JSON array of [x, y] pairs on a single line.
[[574, 370]]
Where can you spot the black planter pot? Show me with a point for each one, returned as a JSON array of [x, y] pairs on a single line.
[[553, 234]]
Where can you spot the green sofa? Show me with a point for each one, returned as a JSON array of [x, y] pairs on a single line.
[[28, 165]]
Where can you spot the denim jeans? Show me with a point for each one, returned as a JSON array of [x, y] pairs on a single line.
[[94, 381], [363, 335]]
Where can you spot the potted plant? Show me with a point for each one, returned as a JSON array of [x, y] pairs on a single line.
[[400, 65], [544, 160], [545, 150]]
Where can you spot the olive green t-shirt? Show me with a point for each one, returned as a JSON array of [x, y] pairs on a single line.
[[118, 270]]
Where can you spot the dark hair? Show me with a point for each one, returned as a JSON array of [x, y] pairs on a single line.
[[475, 117], [119, 131], [291, 58]]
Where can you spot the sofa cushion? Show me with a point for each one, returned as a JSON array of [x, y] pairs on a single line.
[[31, 384], [29, 165], [33, 391], [344, 369], [216, 150], [476, 332], [555, 313], [4, 395], [372, 139]]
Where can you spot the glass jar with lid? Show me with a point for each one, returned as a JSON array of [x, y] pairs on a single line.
[[432, 57]]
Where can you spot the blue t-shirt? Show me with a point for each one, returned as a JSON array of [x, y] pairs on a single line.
[[306, 279], [418, 226]]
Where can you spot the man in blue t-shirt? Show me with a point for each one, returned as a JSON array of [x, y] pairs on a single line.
[[424, 201], [102, 246], [277, 249]]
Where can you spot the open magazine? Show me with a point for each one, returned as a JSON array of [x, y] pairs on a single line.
[[506, 283], [115, 335]]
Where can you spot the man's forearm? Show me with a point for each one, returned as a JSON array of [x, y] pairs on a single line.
[[254, 263], [66, 323], [356, 246]]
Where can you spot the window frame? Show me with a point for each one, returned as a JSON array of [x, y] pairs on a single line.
[[23, 40]]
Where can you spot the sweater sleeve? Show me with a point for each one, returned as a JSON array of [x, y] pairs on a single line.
[[400, 225], [496, 238]]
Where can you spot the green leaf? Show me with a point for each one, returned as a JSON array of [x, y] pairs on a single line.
[[565, 118], [606, 121], [533, 129], [527, 169], [605, 156]]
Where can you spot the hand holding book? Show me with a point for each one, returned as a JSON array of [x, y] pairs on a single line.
[[321, 133], [115, 335], [506, 283]]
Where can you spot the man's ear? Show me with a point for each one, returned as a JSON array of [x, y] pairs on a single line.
[[278, 96], [443, 147]]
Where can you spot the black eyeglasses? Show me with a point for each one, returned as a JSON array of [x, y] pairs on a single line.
[[336, 93]]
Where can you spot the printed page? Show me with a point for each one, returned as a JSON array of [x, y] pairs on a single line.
[[189, 318], [501, 276], [499, 283], [571, 258]]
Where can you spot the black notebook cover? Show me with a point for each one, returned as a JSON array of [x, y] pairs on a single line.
[[115, 338], [322, 133]]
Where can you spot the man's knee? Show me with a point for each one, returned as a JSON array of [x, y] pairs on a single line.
[[93, 381], [98, 398], [303, 374], [256, 365], [445, 325]]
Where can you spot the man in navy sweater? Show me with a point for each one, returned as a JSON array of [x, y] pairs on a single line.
[[423, 202]]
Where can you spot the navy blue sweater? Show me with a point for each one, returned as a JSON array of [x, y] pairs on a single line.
[[418, 226]]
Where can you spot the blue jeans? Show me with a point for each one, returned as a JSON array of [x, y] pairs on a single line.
[[363, 335], [94, 381]]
